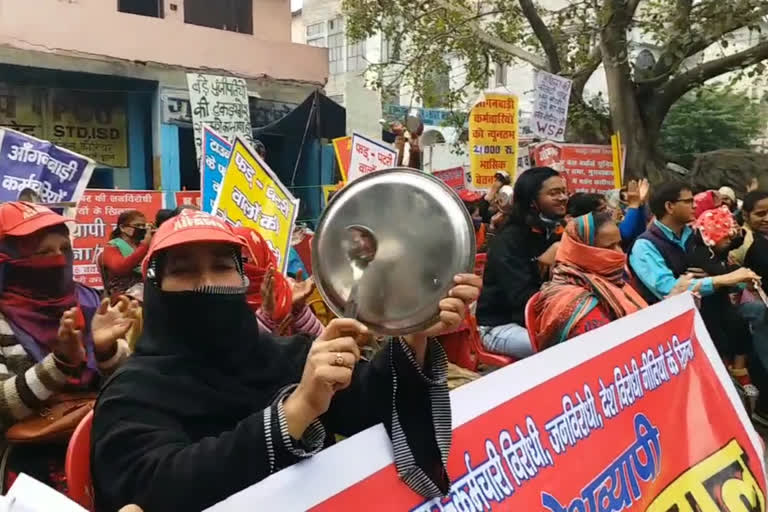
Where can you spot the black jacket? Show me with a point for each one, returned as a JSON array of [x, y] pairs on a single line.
[[757, 257], [512, 274]]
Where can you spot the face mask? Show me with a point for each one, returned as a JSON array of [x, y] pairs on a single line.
[[139, 234], [42, 277]]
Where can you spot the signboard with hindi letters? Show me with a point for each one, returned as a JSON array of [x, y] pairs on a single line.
[[213, 166], [221, 102], [96, 218], [55, 174], [91, 123], [639, 414], [550, 108], [252, 195], [454, 178], [587, 167], [188, 198], [367, 156], [492, 138]]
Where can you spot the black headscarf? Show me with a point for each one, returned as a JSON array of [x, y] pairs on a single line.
[[200, 353]]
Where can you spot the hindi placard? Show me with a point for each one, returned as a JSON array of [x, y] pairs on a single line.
[[252, 195], [221, 102], [550, 106], [492, 138], [368, 155], [54, 173], [213, 166]]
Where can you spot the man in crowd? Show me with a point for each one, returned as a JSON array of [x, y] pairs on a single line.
[[660, 255]]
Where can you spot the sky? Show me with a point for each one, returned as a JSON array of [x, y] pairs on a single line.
[[296, 4]]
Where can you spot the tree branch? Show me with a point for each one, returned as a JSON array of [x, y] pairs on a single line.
[[678, 86], [542, 34], [677, 51], [496, 42]]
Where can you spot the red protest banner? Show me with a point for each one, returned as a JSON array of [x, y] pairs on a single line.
[[453, 177], [97, 214], [640, 414], [587, 167], [189, 198]]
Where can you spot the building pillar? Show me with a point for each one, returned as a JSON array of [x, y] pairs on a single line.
[[169, 162], [138, 123]]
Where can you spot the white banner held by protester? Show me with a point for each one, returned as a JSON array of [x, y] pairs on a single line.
[[221, 102], [645, 398], [550, 109], [369, 155]]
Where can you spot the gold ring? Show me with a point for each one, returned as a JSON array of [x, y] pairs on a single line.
[[339, 361]]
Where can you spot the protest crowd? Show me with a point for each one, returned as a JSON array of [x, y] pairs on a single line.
[[157, 359], [212, 368]]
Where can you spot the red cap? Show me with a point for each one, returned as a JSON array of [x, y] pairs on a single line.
[[188, 227], [20, 218], [469, 196]]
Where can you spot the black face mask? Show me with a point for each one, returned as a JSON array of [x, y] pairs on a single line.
[[139, 234]]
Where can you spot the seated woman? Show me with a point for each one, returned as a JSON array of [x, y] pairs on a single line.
[[716, 230], [121, 260], [208, 405], [587, 289], [55, 335]]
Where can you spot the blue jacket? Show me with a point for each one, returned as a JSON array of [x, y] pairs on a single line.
[[649, 266]]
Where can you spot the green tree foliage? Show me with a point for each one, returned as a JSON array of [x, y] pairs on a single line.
[[710, 119], [574, 38]]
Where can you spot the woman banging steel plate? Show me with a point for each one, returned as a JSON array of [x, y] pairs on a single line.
[[208, 405]]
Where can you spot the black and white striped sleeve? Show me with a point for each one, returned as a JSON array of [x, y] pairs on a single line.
[[282, 449], [433, 376]]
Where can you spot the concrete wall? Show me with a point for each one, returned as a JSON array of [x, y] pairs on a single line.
[[95, 29]]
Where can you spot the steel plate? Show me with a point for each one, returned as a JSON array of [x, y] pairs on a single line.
[[425, 237]]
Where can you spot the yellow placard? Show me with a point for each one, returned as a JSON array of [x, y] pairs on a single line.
[[90, 123], [493, 138], [328, 190], [251, 195]]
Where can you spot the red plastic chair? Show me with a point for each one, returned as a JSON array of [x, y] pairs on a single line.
[[78, 464], [530, 320], [481, 259], [465, 348]]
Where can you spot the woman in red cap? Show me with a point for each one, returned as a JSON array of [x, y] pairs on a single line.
[[56, 335], [208, 405]]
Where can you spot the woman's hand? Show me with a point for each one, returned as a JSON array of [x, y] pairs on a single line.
[[328, 369], [300, 290], [69, 347], [453, 309], [111, 323], [268, 293]]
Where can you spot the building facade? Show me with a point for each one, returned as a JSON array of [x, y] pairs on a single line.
[[108, 77]]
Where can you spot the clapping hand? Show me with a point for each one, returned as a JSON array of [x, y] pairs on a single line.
[[111, 323], [69, 347], [300, 290]]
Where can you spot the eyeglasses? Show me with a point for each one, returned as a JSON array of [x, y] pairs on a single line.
[[686, 201]]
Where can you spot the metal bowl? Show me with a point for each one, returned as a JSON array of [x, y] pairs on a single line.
[[425, 237]]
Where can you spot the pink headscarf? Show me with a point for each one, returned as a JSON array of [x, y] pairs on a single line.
[[704, 201], [715, 225]]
